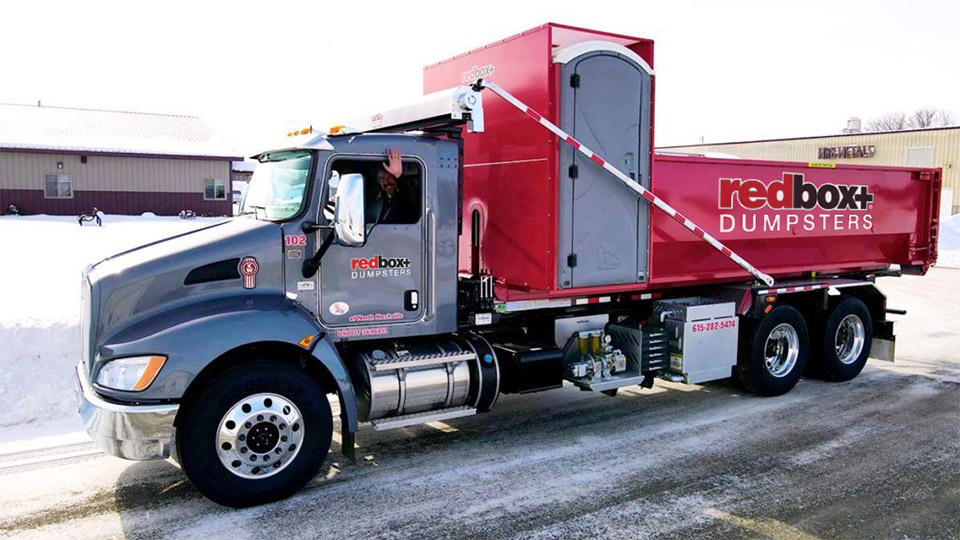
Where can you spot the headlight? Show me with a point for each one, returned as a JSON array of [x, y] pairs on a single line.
[[130, 374]]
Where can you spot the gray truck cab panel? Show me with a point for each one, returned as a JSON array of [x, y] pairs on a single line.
[[353, 300], [198, 296]]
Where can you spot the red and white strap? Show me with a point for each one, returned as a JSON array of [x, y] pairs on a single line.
[[798, 288], [632, 184]]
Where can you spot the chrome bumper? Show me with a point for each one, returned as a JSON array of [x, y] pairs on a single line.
[[138, 432]]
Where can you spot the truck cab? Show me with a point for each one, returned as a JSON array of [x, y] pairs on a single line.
[[276, 297], [387, 276]]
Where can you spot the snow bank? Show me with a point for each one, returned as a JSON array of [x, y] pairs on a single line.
[[949, 244], [42, 258]]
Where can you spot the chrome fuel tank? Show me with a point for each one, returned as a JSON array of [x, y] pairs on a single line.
[[412, 378]]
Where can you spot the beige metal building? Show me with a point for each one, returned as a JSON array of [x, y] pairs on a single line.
[[931, 147], [56, 160]]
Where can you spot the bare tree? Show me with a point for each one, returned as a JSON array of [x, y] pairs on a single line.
[[929, 117], [894, 121], [925, 117]]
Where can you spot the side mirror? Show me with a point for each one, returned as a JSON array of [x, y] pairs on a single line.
[[348, 222]]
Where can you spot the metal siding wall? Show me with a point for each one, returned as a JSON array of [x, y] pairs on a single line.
[[114, 202], [109, 173], [891, 151], [120, 185]]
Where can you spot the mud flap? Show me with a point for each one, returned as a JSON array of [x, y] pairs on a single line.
[[883, 349]]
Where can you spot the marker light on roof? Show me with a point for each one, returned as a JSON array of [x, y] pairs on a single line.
[[303, 131]]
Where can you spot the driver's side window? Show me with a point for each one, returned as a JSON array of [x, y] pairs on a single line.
[[388, 200]]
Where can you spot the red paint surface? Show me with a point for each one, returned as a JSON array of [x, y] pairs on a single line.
[[113, 202], [901, 216], [511, 168], [511, 177]]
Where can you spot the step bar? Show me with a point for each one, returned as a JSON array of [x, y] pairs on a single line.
[[406, 420], [610, 383], [422, 360]]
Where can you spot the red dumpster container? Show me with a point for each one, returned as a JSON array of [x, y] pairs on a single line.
[[554, 224]]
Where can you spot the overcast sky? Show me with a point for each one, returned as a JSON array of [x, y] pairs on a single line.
[[725, 70]]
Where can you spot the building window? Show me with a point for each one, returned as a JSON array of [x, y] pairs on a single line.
[[58, 186], [215, 189]]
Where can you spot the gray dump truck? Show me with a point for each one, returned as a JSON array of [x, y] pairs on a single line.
[[223, 348]]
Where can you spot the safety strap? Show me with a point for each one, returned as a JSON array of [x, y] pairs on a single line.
[[632, 184]]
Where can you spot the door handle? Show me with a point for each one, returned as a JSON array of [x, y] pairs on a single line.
[[411, 300]]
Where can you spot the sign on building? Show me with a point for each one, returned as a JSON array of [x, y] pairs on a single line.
[[848, 151]]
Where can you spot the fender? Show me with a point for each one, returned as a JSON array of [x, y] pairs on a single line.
[[194, 335]]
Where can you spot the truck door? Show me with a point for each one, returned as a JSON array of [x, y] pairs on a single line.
[[604, 104], [382, 282]]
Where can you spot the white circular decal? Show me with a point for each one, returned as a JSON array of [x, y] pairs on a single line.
[[339, 308]]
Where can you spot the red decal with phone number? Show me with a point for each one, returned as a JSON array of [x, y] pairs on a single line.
[[716, 325], [295, 240]]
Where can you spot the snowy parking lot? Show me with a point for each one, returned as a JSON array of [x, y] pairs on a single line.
[[878, 456], [40, 293]]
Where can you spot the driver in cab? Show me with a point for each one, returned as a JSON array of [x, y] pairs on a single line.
[[397, 201]]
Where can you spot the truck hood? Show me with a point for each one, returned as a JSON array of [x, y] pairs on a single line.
[[203, 264]]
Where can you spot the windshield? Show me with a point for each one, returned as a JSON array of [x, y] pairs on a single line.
[[276, 190]]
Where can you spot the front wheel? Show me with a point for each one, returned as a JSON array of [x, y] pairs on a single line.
[[773, 352], [257, 433]]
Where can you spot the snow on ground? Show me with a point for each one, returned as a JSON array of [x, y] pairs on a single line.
[[42, 260], [38, 435]]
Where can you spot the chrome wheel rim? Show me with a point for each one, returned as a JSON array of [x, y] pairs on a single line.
[[259, 436], [781, 350], [851, 335]]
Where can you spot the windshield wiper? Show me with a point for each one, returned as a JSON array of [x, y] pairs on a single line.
[[255, 210]]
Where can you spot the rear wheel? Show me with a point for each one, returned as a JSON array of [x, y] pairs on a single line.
[[845, 342], [773, 352], [257, 433]]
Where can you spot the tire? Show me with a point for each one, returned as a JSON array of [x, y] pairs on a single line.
[[845, 341], [781, 335], [285, 406]]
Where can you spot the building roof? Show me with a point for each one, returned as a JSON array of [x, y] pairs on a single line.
[[861, 134], [28, 127]]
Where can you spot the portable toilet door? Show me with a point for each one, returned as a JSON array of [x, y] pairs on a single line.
[[605, 102]]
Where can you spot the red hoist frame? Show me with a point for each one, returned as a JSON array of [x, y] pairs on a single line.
[[642, 191]]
